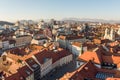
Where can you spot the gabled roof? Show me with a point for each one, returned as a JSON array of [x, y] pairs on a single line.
[[112, 59], [25, 71], [31, 62], [42, 55], [22, 73], [59, 54], [98, 58], [54, 55], [15, 76], [86, 56]]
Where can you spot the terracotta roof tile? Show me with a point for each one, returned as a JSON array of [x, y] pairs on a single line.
[[69, 37], [113, 79], [41, 56], [88, 70], [99, 58], [96, 57], [55, 55], [25, 71], [15, 76], [31, 62]]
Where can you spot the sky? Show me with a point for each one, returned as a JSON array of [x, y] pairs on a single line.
[[12, 10]]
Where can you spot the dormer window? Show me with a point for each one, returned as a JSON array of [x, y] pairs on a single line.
[[86, 68]]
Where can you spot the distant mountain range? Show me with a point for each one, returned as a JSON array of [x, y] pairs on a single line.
[[91, 20], [67, 20], [5, 22]]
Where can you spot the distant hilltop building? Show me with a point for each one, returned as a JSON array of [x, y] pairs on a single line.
[[109, 34]]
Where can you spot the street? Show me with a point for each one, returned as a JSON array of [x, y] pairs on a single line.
[[59, 72]]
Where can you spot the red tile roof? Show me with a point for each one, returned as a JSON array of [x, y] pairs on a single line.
[[22, 73], [24, 53], [98, 57], [60, 53], [42, 55], [16, 76], [113, 79], [114, 43], [31, 62], [25, 71], [86, 56], [88, 70], [69, 37], [112, 59]]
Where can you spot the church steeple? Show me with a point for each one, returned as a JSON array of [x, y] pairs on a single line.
[[112, 36], [109, 34]]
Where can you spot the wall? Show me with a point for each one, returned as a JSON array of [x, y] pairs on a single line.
[[46, 67]]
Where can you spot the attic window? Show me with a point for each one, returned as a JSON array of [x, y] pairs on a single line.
[[34, 66], [86, 68], [27, 72], [30, 61], [45, 59], [21, 78]]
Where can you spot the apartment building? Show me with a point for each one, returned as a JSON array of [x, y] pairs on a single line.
[[23, 40]]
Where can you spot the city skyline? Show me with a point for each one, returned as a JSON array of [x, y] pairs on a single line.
[[47, 9]]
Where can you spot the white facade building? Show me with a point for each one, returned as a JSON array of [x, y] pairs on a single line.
[[109, 34]]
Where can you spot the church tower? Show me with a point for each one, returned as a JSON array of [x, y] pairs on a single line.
[[106, 36], [109, 34], [112, 35]]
